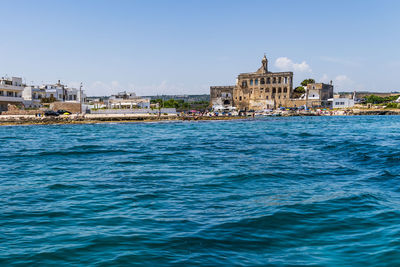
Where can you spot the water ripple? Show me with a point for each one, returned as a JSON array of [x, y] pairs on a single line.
[[278, 191]]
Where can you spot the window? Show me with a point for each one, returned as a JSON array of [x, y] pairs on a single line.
[[256, 81], [268, 80], [1, 93], [267, 97], [273, 90], [267, 90], [279, 90], [262, 81], [240, 98], [274, 80], [286, 80], [285, 90], [251, 82], [74, 97], [279, 80]]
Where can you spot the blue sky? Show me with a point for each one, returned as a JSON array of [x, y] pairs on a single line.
[[177, 47]]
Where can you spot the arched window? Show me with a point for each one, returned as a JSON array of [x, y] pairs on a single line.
[[280, 80], [262, 81], [256, 81], [279, 90], [273, 90], [268, 80], [251, 82], [274, 80], [285, 90], [267, 90]]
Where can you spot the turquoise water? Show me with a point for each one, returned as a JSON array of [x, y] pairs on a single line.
[[280, 191]]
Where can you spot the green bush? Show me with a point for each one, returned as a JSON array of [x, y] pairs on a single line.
[[392, 105], [307, 81]]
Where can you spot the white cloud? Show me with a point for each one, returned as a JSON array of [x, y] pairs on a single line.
[[342, 78], [286, 64], [342, 82]]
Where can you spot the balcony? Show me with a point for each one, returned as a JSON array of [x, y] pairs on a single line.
[[11, 87], [11, 99]]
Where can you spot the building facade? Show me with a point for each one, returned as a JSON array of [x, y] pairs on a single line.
[[256, 90], [32, 96], [63, 93], [222, 98], [124, 100], [10, 92], [342, 102], [317, 94]]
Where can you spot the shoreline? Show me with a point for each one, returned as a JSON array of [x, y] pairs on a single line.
[[64, 120], [11, 120]]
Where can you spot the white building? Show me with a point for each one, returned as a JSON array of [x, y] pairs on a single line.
[[32, 96], [128, 100], [10, 92], [342, 102], [63, 93]]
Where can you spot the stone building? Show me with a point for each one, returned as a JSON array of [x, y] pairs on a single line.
[[255, 90], [318, 94], [222, 98]]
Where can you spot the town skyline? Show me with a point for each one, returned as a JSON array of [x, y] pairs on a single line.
[[155, 48]]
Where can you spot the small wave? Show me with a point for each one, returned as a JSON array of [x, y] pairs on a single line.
[[77, 153], [62, 186], [384, 176]]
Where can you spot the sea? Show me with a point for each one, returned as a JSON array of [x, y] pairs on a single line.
[[277, 191]]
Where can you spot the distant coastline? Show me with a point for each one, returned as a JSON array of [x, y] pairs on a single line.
[[8, 120]]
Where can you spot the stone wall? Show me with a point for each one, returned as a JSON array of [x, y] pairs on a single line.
[[14, 110], [71, 107]]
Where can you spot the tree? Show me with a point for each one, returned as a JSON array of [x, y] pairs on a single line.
[[298, 91], [50, 99], [307, 81], [374, 99]]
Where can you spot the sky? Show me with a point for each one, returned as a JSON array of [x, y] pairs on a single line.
[[184, 47]]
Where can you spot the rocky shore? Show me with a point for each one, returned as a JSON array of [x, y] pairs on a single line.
[[104, 118], [92, 118]]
